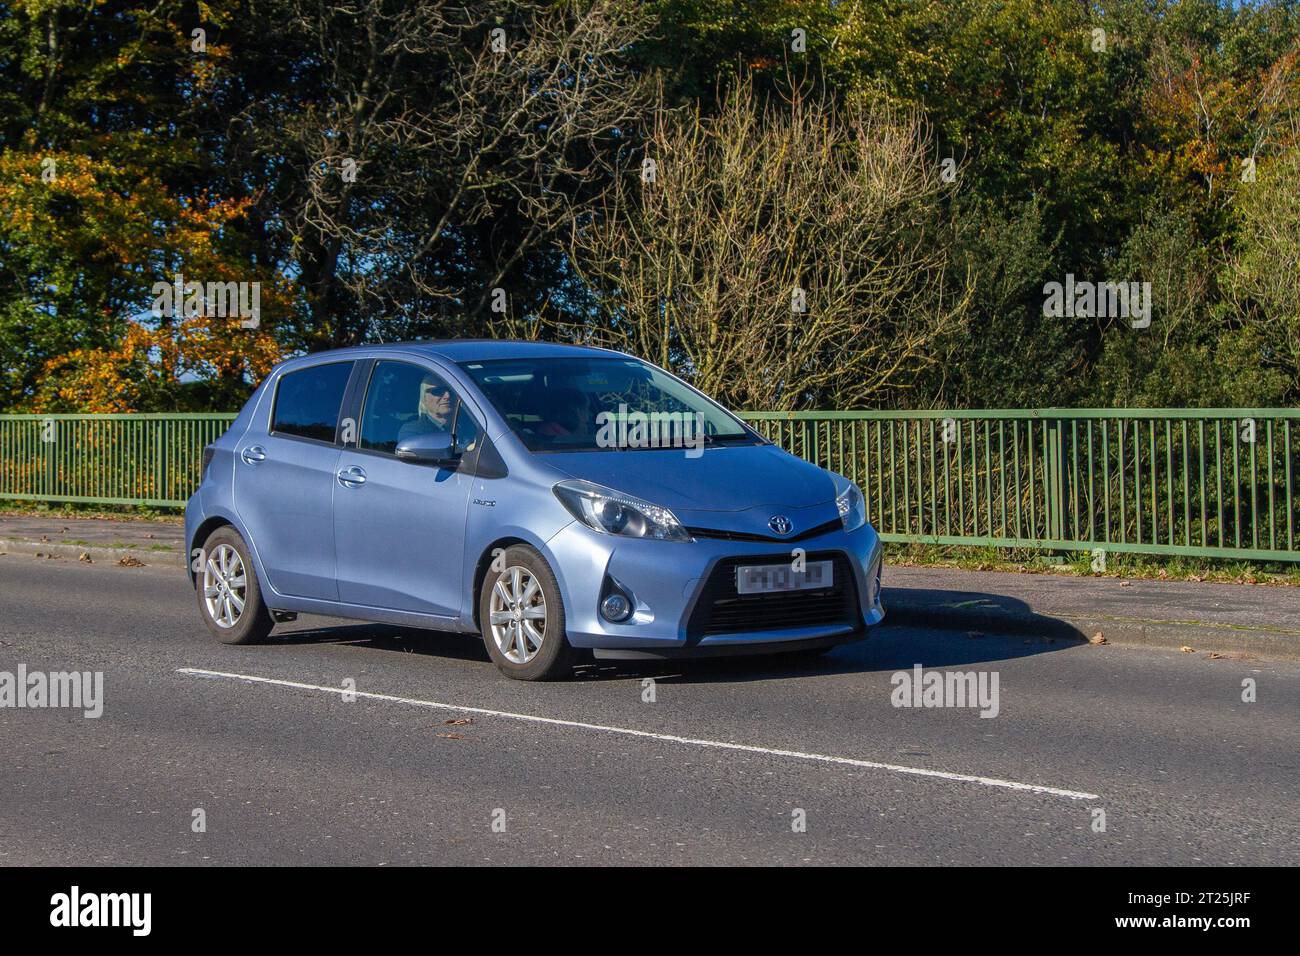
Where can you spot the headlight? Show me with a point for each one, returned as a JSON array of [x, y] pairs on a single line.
[[612, 512], [851, 506]]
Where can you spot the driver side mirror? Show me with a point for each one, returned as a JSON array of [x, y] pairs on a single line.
[[434, 448]]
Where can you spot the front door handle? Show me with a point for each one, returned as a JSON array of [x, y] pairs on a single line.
[[352, 477], [253, 454]]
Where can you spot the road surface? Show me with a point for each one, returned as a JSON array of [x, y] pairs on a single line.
[[440, 760]]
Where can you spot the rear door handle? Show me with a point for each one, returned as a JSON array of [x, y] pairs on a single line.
[[352, 477], [253, 454]]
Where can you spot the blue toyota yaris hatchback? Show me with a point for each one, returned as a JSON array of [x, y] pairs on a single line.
[[559, 500]]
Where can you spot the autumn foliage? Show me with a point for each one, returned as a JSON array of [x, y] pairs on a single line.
[[398, 169]]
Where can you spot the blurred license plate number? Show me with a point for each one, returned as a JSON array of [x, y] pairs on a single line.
[[766, 578]]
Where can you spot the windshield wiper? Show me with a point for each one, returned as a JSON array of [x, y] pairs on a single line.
[[726, 439]]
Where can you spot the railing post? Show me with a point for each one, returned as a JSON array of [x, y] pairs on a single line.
[[1055, 476], [158, 425], [51, 456]]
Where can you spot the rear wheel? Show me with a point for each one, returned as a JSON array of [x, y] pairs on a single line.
[[230, 599], [522, 617]]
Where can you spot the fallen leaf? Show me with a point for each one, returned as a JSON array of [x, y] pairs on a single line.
[[448, 736], [1123, 584], [85, 556], [1187, 650], [1214, 655], [1098, 638], [459, 721], [131, 561]]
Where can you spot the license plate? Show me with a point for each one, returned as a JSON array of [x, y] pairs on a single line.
[[766, 578]]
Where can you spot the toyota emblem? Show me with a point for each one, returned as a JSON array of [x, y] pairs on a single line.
[[780, 524]]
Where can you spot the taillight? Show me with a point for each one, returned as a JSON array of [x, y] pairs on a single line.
[[207, 460]]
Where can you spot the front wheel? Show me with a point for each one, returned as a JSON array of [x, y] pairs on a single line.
[[522, 617], [230, 599]]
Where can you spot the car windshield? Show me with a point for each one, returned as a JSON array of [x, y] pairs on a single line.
[[585, 404]]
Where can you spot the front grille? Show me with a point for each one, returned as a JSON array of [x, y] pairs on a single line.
[[717, 533], [722, 610]]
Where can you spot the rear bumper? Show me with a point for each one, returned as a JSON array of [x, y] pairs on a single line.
[[669, 579]]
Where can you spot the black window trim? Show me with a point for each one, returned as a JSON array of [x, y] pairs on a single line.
[[343, 403], [363, 396]]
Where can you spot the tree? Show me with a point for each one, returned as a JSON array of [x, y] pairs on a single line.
[[413, 156], [1007, 354], [1262, 274], [778, 255], [105, 192]]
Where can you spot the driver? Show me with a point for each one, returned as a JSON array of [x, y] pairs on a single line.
[[434, 412]]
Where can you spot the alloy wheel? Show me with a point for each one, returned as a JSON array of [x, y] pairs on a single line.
[[517, 614], [225, 586]]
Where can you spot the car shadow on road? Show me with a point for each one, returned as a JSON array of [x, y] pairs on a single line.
[[384, 637], [925, 630], [931, 627], [889, 648]]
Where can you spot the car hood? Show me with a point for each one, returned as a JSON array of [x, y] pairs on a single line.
[[727, 478]]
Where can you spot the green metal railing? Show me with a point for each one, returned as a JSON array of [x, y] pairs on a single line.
[[140, 459], [1204, 482]]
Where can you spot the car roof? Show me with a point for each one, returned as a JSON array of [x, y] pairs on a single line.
[[471, 350]]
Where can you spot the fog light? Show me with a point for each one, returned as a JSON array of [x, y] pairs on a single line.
[[615, 607]]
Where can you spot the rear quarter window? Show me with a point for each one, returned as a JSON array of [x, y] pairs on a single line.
[[307, 401]]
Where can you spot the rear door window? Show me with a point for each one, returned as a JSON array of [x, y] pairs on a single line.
[[307, 401]]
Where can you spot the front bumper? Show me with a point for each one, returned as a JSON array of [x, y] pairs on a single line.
[[667, 580]]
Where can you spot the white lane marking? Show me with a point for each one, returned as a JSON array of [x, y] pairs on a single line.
[[668, 738]]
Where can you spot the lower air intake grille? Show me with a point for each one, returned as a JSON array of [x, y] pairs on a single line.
[[722, 610]]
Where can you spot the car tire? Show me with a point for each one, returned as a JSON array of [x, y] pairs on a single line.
[[513, 602], [225, 578]]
